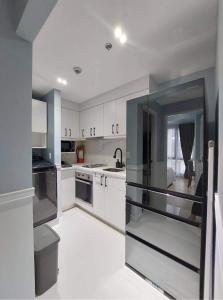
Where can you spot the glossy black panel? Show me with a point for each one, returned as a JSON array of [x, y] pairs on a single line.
[[165, 139], [137, 140], [185, 210], [177, 280], [172, 236]]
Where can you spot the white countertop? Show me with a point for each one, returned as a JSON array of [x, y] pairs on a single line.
[[79, 167]]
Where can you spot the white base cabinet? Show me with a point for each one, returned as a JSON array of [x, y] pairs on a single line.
[[67, 189], [109, 200]]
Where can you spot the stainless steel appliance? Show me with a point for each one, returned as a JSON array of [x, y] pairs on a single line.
[[166, 189], [44, 176], [84, 187], [67, 146]]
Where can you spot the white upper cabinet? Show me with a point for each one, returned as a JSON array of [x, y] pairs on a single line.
[[39, 116], [115, 118], [91, 122], [69, 124]]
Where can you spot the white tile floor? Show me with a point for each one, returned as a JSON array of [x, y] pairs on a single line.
[[91, 262]]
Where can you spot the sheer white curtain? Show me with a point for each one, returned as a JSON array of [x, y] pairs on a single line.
[[174, 151]]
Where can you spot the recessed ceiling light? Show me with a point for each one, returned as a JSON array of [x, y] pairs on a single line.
[[118, 32], [62, 81], [123, 38]]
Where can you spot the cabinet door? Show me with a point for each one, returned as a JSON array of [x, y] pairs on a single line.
[[39, 116], [120, 124], [73, 124], [99, 196], [69, 124], [64, 123], [67, 189], [115, 202], [97, 121], [109, 118], [84, 124]]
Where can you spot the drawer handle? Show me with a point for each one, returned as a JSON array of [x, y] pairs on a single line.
[[94, 130], [106, 181], [113, 128], [102, 179], [117, 128]]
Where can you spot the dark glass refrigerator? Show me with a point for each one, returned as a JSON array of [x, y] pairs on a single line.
[[166, 188]]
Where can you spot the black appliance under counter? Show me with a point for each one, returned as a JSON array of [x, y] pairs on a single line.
[[44, 177]]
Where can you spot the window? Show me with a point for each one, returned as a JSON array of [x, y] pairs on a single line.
[[174, 151]]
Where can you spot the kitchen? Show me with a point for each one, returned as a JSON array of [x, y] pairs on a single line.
[[114, 190]]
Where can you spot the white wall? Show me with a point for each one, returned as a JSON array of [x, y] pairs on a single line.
[[53, 151], [15, 106], [16, 224]]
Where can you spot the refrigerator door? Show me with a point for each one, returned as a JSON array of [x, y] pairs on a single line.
[[178, 208], [177, 133], [137, 141], [165, 139], [180, 240], [174, 278]]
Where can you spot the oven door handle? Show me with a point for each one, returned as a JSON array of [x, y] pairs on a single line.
[[83, 181]]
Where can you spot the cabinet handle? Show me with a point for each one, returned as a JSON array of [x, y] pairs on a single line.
[[65, 131], [70, 131], [113, 128], [101, 179], [91, 132], [117, 128], [105, 181], [94, 130]]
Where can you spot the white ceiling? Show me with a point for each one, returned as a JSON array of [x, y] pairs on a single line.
[[166, 38]]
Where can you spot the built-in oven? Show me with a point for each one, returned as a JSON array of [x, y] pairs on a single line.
[[84, 187], [67, 146]]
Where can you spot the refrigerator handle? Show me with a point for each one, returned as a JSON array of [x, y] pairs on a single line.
[[209, 225]]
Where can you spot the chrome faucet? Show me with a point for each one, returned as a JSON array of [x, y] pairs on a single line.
[[119, 164]]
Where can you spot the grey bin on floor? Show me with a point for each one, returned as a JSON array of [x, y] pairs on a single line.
[[46, 258]]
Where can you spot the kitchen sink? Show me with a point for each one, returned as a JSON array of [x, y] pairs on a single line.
[[113, 170]]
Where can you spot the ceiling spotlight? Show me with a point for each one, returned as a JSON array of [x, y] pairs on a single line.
[[118, 32], [77, 70], [123, 38], [62, 81]]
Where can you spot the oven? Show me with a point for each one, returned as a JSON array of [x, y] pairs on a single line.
[[84, 187]]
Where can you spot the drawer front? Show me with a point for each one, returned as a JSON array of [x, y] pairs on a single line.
[[177, 207], [174, 278], [177, 238]]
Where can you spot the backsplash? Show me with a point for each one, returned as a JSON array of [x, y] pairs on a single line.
[[102, 151]]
